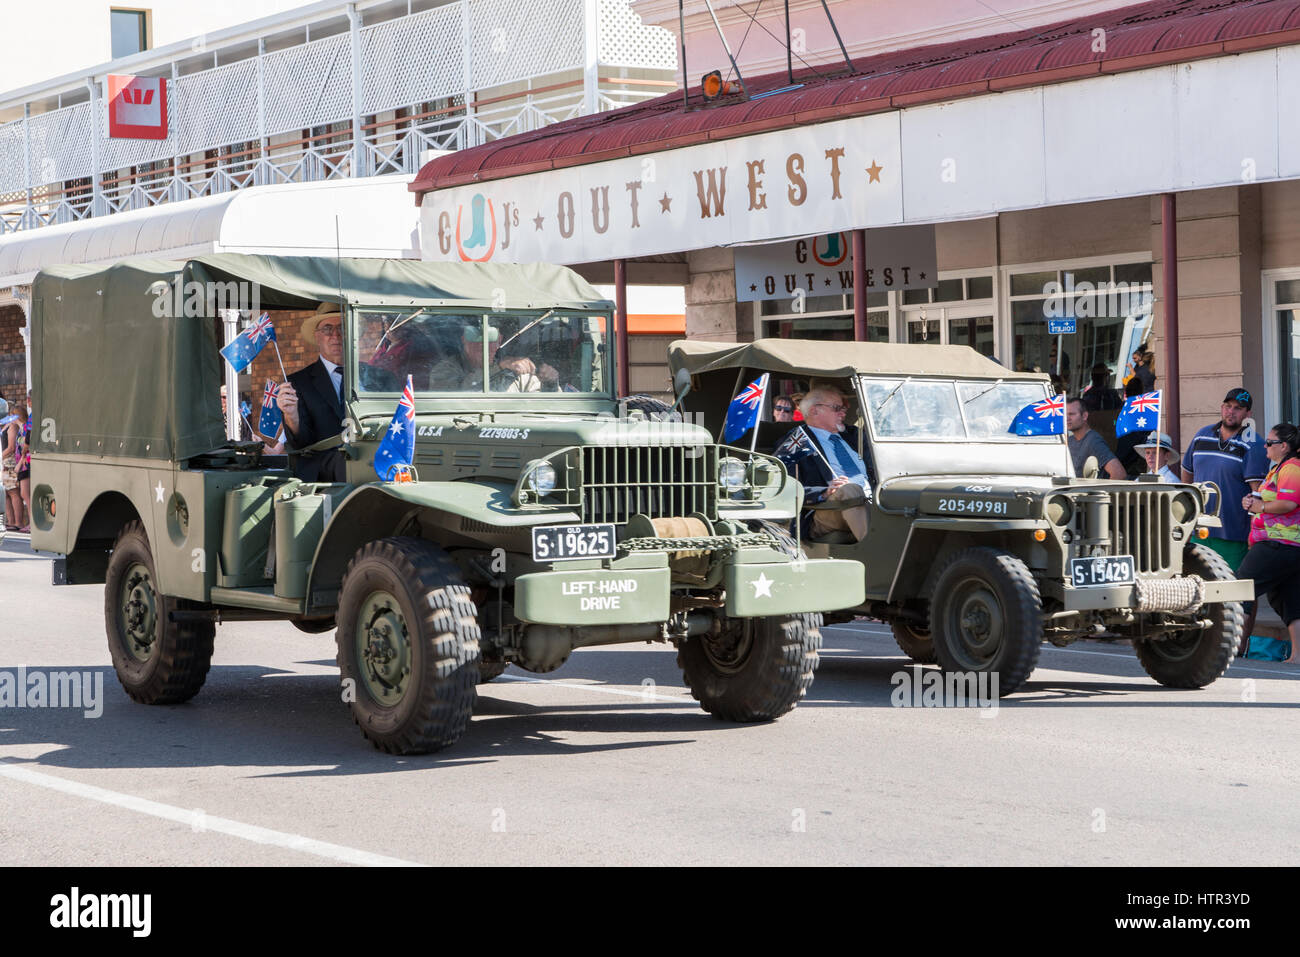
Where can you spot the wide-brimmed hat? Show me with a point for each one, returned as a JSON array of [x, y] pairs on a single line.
[[1162, 441], [323, 311], [475, 333]]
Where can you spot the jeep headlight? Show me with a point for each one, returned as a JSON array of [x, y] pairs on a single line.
[[1060, 510], [541, 479], [1183, 507], [731, 473]]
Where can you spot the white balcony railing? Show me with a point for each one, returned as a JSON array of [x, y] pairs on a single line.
[[364, 102]]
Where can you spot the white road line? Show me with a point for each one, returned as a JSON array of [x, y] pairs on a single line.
[[643, 695], [200, 821]]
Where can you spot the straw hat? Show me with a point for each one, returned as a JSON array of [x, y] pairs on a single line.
[[325, 310]]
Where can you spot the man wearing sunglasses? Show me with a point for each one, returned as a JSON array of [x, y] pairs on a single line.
[[822, 454]]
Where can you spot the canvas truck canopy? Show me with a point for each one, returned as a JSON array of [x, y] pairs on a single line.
[[818, 359], [113, 377]]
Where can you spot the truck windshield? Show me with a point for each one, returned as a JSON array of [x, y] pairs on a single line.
[[947, 410], [546, 352]]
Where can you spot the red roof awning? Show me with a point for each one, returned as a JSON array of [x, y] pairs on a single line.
[[1136, 37]]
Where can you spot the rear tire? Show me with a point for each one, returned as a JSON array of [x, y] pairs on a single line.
[[408, 645], [1194, 659], [754, 669], [987, 616], [917, 643], [157, 660]]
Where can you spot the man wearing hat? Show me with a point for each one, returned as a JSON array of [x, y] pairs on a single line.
[[463, 372], [1234, 459], [1159, 452], [312, 399]]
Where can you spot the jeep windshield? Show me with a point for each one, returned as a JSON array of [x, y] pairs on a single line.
[[548, 352], [948, 410]]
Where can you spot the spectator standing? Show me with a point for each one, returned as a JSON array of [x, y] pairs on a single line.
[[1085, 442], [1159, 454], [13, 433], [1274, 557], [1140, 369], [23, 458], [1100, 396], [1226, 454]]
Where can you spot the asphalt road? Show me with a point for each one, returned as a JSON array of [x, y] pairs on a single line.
[[609, 761]]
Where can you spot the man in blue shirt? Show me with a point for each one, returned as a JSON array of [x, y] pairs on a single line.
[[829, 467], [1234, 460]]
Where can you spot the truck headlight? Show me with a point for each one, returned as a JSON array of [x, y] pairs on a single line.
[[731, 473], [1183, 507], [541, 479], [1060, 510]]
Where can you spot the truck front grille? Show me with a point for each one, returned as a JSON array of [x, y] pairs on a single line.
[[658, 481], [1140, 524]]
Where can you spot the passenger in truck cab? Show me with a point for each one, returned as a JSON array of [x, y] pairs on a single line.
[[463, 371]]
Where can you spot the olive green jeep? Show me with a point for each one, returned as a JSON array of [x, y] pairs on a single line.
[[981, 543], [539, 515]]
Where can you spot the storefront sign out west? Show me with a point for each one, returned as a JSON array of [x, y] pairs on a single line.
[[813, 180], [898, 257]]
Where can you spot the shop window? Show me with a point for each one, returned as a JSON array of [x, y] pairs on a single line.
[[1286, 294], [958, 311], [1110, 306]]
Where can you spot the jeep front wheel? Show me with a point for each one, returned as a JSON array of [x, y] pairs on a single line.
[[1195, 657], [752, 669], [987, 616], [157, 660], [408, 645]]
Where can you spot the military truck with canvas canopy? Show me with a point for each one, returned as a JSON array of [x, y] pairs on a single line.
[[980, 542], [533, 519]]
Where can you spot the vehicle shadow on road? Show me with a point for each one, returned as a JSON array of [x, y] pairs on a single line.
[[255, 717]]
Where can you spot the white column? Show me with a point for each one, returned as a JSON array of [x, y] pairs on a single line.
[[358, 150], [230, 329], [96, 190], [23, 297], [591, 57]]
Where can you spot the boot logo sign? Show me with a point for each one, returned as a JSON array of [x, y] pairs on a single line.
[[477, 248], [137, 107]]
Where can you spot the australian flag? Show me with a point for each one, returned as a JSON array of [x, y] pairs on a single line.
[[249, 343], [398, 445], [1040, 418], [269, 423], [743, 411], [1139, 414]]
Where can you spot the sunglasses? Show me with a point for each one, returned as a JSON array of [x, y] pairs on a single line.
[[785, 408], [1272, 442]]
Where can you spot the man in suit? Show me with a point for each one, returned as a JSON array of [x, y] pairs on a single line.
[[822, 455], [312, 399]]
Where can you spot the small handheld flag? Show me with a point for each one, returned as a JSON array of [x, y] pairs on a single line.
[[397, 449], [269, 423], [1139, 414], [743, 411], [245, 346], [796, 447], [1040, 418]]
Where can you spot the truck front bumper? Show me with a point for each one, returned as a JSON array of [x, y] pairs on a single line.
[[1125, 596]]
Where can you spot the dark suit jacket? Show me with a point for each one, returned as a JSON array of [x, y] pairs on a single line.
[[811, 471], [320, 415]]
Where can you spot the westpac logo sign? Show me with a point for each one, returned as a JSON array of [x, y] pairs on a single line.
[[137, 107]]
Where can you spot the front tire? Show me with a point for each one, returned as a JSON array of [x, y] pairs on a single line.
[[752, 669], [408, 645], [1194, 659], [157, 660], [987, 616]]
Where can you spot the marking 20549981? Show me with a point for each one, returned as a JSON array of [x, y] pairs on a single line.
[[973, 506]]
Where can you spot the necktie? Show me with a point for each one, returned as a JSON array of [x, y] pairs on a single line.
[[337, 379], [843, 456]]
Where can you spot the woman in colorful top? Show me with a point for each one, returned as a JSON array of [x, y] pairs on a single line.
[[1274, 557], [23, 460], [13, 448]]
